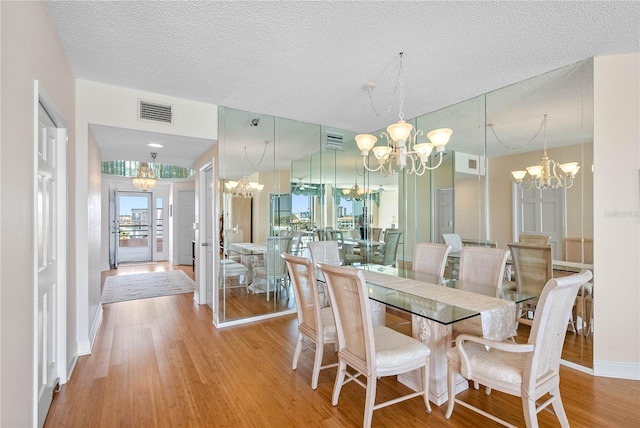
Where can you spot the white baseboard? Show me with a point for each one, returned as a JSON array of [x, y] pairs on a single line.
[[72, 366], [617, 369], [85, 347]]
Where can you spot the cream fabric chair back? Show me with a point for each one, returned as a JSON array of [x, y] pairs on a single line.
[[534, 239], [482, 270], [453, 239], [375, 233], [324, 252], [430, 258], [314, 322]]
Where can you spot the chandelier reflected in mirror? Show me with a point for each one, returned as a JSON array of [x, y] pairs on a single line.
[[243, 188], [547, 173], [403, 147], [145, 178]]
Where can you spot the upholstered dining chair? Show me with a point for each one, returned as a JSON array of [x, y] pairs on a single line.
[[316, 324], [272, 269], [324, 252], [531, 370], [430, 259], [388, 255], [295, 246], [372, 351], [533, 268], [454, 240], [481, 272]]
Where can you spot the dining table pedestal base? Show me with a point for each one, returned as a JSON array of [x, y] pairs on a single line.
[[438, 338]]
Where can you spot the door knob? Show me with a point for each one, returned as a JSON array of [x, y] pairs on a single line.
[[204, 244]]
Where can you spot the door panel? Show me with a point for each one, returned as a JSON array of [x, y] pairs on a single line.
[[47, 263], [540, 212]]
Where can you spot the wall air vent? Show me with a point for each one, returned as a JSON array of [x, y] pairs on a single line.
[[334, 141], [155, 112]]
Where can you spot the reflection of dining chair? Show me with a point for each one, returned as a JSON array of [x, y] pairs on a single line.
[[579, 250], [314, 322], [320, 235], [231, 236], [533, 268], [347, 257], [295, 246], [375, 233], [453, 239], [324, 252], [534, 239], [272, 269], [430, 259], [372, 351], [388, 255], [531, 370], [453, 262]]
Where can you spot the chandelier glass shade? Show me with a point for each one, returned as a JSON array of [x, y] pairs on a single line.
[[547, 173], [403, 147], [145, 178], [243, 188]]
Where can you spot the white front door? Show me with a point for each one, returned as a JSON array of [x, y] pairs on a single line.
[[50, 215], [540, 212]]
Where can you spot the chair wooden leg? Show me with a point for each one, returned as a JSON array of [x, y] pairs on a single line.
[[296, 353], [425, 385], [369, 401], [338, 384], [558, 408], [317, 364], [530, 414], [451, 386]]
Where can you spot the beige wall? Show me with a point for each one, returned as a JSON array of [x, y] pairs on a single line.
[[579, 197], [617, 215], [30, 49]]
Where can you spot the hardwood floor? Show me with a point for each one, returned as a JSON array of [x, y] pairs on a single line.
[[161, 363]]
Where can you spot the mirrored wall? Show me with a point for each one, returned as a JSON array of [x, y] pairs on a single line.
[[312, 179]]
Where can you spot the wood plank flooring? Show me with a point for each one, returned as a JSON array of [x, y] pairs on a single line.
[[161, 363]]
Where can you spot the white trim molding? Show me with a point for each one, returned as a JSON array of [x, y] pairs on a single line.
[[617, 369]]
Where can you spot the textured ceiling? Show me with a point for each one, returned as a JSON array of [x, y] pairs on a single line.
[[308, 61]]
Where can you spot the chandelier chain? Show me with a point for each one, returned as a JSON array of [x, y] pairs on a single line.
[[266, 143], [543, 125], [398, 85]]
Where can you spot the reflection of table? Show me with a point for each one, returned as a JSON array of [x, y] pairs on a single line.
[[248, 251], [367, 246], [434, 308]]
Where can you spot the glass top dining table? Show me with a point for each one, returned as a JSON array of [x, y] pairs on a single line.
[[434, 310]]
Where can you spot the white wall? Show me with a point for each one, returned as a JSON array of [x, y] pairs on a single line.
[[30, 50], [617, 215], [109, 105]]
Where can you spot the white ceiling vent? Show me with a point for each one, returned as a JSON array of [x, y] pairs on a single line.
[[155, 112], [334, 141]]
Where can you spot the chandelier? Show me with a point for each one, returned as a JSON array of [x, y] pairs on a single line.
[[402, 146], [547, 173], [145, 178], [243, 188]]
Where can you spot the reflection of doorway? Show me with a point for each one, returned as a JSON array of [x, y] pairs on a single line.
[[445, 209], [135, 223], [540, 212], [280, 213]]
